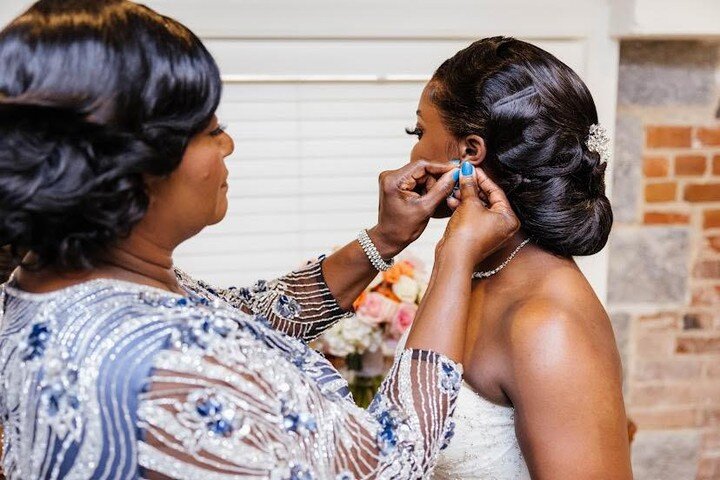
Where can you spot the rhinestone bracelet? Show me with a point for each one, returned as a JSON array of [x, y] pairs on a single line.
[[372, 252]]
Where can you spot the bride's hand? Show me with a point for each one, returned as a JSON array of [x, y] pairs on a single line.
[[404, 212], [476, 228]]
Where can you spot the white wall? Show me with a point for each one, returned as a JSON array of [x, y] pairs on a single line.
[[318, 93]]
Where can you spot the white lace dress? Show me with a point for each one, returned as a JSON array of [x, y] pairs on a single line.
[[484, 445], [114, 380]]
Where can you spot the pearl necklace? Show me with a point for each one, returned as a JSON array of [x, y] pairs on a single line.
[[490, 273]]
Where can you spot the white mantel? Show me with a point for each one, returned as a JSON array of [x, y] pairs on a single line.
[[686, 19], [435, 18]]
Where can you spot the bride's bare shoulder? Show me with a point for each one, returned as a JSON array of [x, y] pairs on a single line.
[[557, 334]]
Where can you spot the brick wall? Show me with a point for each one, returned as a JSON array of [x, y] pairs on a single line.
[[664, 293], [675, 374]]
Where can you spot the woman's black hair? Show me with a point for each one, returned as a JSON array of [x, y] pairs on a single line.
[[94, 95], [534, 113]]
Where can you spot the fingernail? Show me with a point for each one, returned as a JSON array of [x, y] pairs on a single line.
[[456, 175], [467, 169], [456, 161]]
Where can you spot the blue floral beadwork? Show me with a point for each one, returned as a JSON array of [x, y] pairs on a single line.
[[59, 393], [36, 342], [200, 332], [449, 434], [387, 435], [218, 418], [55, 396], [300, 357], [287, 307], [298, 472], [198, 300], [243, 293], [260, 286], [449, 378], [345, 476], [301, 423]]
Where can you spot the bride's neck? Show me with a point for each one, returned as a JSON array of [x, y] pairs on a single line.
[[497, 258]]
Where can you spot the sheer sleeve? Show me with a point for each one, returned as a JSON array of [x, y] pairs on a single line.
[[230, 407], [298, 304]]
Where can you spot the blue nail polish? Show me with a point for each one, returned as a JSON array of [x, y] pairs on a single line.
[[456, 161], [456, 175], [467, 169]]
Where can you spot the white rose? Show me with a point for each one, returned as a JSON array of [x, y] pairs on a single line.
[[335, 344], [376, 340], [421, 292], [406, 289], [357, 333]]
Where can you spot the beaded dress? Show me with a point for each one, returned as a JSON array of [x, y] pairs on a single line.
[[112, 380]]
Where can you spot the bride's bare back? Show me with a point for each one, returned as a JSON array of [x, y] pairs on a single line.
[[539, 340]]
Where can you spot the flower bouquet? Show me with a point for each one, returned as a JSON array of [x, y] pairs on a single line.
[[363, 346]]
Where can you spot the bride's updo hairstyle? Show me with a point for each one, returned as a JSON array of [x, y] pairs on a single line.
[[534, 114], [94, 96]]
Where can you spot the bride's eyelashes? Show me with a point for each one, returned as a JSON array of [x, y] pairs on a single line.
[[417, 131]]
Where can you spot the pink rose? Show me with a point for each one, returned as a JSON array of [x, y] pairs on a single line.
[[376, 308], [403, 318]]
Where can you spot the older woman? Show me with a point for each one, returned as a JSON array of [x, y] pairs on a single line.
[[114, 364]]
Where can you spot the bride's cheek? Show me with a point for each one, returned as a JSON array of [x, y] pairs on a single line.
[[414, 154]]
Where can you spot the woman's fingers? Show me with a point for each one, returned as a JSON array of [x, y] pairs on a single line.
[[496, 198], [469, 189], [440, 190], [409, 176]]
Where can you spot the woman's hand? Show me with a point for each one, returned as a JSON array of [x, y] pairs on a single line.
[[473, 232], [483, 219], [404, 212]]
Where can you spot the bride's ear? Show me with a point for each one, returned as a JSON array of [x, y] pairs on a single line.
[[473, 150]]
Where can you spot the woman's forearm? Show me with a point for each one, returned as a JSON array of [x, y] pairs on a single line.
[[348, 271], [402, 217], [441, 319]]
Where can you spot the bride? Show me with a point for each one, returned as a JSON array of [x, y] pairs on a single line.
[[542, 393]]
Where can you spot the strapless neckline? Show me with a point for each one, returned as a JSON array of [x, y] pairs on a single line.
[[469, 387], [485, 445]]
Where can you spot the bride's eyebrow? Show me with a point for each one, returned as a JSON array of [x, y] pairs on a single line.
[[417, 112]]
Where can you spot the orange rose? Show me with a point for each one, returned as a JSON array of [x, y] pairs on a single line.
[[406, 268], [386, 291], [358, 301], [393, 274]]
